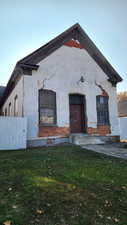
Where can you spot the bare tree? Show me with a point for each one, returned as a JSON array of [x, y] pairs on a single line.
[[122, 96]]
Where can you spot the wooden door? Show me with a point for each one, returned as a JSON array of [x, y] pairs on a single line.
[[77, 118]]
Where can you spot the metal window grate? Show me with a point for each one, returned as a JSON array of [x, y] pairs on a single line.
[[47, 107], [102, 110]]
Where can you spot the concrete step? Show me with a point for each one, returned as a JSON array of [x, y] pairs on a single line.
[[82, 139], [85, 139]]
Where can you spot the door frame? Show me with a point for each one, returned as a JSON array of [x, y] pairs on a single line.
[[84, 110]]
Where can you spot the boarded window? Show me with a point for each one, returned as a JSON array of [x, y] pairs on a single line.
[[102, 110], [47, 107], [16, 106]]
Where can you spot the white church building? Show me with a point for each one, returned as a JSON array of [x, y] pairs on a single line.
[[65, 87]]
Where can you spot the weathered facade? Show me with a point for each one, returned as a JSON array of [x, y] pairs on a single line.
[[65, 87]]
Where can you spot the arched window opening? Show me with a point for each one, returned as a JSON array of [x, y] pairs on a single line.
[[47, 107], [16, 106]]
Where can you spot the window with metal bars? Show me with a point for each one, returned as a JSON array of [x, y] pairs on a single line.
[[47, 107], [102, 110]]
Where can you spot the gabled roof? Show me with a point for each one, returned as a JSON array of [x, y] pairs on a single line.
[[29, 63], [2, 88], [77, 33]]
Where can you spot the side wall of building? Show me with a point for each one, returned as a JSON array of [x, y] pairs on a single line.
[[17, 91], [61, 72]]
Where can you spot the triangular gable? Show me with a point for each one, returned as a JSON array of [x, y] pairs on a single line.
[[29, 63], [76, 33]]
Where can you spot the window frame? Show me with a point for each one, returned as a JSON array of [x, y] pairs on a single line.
[[55, 108], [104, 111]]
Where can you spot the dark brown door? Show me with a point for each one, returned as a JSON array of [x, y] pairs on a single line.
[[77, 122]]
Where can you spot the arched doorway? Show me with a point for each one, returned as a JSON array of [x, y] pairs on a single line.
[[77, 113]]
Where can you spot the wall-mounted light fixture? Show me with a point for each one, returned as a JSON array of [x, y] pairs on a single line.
[[82, 80]]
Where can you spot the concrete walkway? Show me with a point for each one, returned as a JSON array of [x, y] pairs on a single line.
[[115, 150]]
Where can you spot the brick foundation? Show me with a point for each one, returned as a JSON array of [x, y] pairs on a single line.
[[101, 130], [54, 131], [65, 131]]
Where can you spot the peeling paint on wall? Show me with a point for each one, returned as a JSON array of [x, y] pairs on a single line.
[[104, 93], [60, 72]]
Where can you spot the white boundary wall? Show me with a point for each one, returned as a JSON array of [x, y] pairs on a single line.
[[123, 128], [13, 133]]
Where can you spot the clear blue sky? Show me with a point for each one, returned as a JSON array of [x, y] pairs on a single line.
[[25, 25]]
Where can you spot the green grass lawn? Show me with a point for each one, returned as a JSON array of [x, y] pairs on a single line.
[[63, 185]]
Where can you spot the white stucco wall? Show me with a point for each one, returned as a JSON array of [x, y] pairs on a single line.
[[17, 91], [61, 72]]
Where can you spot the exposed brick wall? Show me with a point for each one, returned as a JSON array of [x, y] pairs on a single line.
[[91, 130], [54, 131], [101, 130], [73, 43], [65, 131]]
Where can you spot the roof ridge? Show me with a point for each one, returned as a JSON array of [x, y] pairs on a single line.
[[50, 42]]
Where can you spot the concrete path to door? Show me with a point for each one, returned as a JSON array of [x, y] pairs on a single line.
[[116, 150]]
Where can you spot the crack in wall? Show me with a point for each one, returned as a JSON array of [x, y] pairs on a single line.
[[104, 92], [43, 83]]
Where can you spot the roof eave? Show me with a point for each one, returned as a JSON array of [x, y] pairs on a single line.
[[14, 77]]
